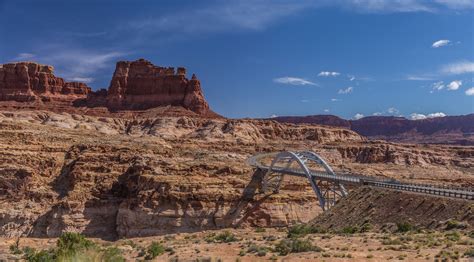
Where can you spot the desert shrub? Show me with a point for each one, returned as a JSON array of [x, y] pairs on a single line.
[[453, 236], [261, 251], [350, 230], [154, 249], [366, 227], [469, 253], [302, 230], [286, 246], [403, 227], [41, 256], [260, 230], [15, 247], [224, 237], [69, 244], [112, 254], [454, 224]]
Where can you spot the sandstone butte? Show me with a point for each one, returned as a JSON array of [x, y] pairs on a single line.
[[135, 86]]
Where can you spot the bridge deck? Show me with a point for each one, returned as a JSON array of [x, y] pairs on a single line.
[[355, 180]]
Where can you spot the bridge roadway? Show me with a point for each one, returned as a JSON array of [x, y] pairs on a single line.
[[356, 180]]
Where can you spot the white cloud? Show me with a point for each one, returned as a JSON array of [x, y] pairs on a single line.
[[273, 116], [23, 56], [327, 73], [419, 78], [377, 114], [438, 114], [358, 116], [326, 110], [440, 43], [304, 100], [86, 80], [454, 85], [470, 91], [293, 81], [345, 91], [393, 110], [438, 85], [335, 99], [417, 116], [458, 68], [351, 77]]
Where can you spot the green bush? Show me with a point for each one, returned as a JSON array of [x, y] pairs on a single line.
[[41, 256], [154, 250], [69, 244], [350, 230], [286, 246], [224, 237], [302, 230], [403, 227], [453, 236]]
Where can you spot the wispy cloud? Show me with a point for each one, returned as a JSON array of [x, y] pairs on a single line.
[[457, 4], [252, 15], [440, 43], [458, 68], [86, 80], [24, 56], [293, 81], [417, 116], [470, 91], [419, 78], [304, 101], [79, 64], [345, 91], [328, 73], [335, 100], [438, 85]]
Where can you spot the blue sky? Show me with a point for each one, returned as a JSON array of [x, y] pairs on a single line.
[[260, 58]]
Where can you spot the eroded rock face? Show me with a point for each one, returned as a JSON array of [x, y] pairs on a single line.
[[29, 81], [142, 85], [113, 177], [135, 86]]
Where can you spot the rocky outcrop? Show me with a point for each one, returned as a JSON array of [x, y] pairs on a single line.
[[440, 130], [29, 81], [142, 85], [135, 86]]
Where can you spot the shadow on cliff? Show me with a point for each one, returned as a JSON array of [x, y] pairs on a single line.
[[248, 205]]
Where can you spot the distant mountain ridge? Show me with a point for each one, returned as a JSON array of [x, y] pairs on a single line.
[[441, 130]]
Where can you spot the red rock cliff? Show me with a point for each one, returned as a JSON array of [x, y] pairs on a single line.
[[29, 81], [142, 85]]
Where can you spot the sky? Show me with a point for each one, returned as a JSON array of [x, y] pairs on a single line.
[[266, 58]]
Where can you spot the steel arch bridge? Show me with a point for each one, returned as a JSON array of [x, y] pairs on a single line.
[[329, 186]]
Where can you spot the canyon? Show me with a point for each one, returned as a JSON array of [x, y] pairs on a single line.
[[148, 158]]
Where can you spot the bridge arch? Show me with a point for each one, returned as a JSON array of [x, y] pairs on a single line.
[[327, 192]]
